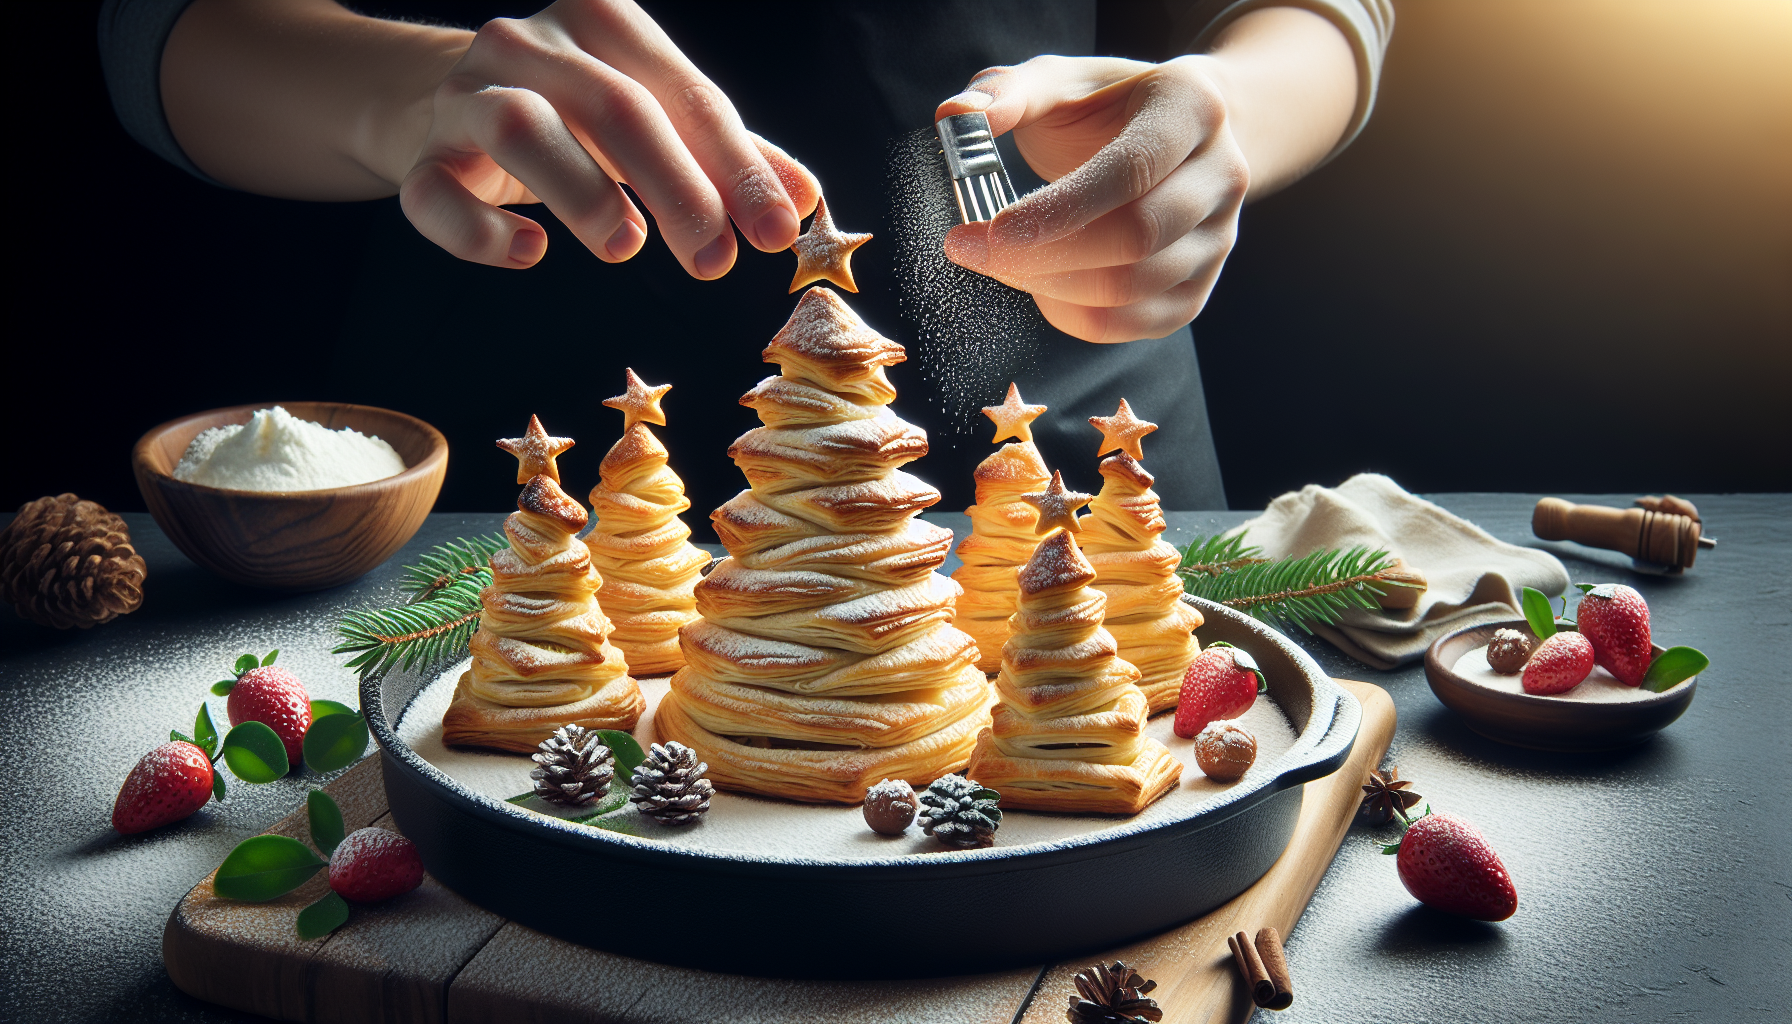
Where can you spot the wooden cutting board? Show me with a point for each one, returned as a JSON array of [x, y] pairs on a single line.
[[432, 956]]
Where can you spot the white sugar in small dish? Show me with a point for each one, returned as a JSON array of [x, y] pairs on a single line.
[[1600, 687]]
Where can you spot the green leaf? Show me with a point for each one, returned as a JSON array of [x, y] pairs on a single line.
[[323, 917], [613, 801], [245, 663], [1393, 847], [222, 687], [335, 741], [205, 732], [265, 867], [327, 828], [1539, 614], [269, 660], [324, 708], [217, 784], [255, 754], [629, 754], [181, 737], [1673, 667], [1585, 587]]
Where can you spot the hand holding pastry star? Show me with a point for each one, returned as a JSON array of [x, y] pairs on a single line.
[[640, 404], [535, 452], [824, 252], [1122, 431], [1013, 418], [1057, 506]]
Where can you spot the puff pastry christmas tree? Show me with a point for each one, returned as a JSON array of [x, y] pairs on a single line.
[[541, 656], [1135, 567], [826, 659], [1068, 734], [639, 544], [1002, 537]]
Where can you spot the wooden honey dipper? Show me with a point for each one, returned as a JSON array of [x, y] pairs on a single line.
[[1645, 534]]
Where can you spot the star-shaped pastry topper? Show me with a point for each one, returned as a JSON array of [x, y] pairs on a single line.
[[641, 404], [1122, 431], [1057, 506], [1013, 418], [824, 252], [535, 452]]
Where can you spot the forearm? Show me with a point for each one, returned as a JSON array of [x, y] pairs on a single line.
[[302, 98], [1289, 79]]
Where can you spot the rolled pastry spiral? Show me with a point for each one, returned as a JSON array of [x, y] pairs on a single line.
[[642, 549], [1068, 733], [541, 655], [1136, 569], [826, 659], [1001, 541]]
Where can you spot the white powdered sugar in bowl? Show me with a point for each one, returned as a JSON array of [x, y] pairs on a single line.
[[277, 451]]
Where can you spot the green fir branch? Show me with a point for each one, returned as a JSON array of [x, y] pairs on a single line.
[[1286, 591], [448, 562], [435, 626]]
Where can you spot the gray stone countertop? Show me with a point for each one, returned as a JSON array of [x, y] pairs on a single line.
[[1655, 884]]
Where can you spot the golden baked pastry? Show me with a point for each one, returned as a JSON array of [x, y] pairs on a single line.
[[541, 656], [1002, 536], [1068, 734], [825, 659], [639, 544], [1136, 569]]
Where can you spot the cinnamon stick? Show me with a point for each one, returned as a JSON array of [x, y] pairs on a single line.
[[1275, 963], [1250, 967]]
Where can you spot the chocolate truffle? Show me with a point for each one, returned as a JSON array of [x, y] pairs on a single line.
[[890, 807], [1225, 750], [1508, 651]]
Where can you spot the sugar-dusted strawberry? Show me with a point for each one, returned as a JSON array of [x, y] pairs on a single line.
[[374, 864], [1558, 664], [170, 783], [1222, 682], [1616, 619], [272, 696], [1447, 864]]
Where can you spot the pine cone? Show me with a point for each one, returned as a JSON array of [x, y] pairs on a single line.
[[961, 812], [1112, 995], [670, 786], [575, 766], [67, 562]]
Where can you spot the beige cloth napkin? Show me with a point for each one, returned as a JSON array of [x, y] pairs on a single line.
[[1473, 578]]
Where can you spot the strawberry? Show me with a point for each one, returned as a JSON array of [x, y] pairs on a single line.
[[272, 696], [1222, 682], [1446, 864], [1616, 619], [374, 864], [1558, 665], [170, 783]]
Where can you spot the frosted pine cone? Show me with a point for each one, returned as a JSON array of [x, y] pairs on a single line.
[[961, 812], [670, 786], [575, 767]]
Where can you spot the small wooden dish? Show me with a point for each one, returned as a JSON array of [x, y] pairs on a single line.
[[1545, 723], [293, 540]]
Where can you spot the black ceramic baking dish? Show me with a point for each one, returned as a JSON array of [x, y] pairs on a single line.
[[796, 917]]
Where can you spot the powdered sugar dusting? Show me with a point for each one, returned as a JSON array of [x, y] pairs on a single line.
[[753, 826]]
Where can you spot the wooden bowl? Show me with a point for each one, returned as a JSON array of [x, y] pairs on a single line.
[[1545, 723], [293, 540]]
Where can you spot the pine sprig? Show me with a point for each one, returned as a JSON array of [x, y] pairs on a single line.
[[1287, 591], [434, 627], [1217, 555], [446, 563]]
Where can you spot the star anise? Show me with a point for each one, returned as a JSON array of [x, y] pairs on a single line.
[[1112, 994], [1387, 795]]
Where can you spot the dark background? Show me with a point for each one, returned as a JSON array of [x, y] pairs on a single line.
[[1559, 258]]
